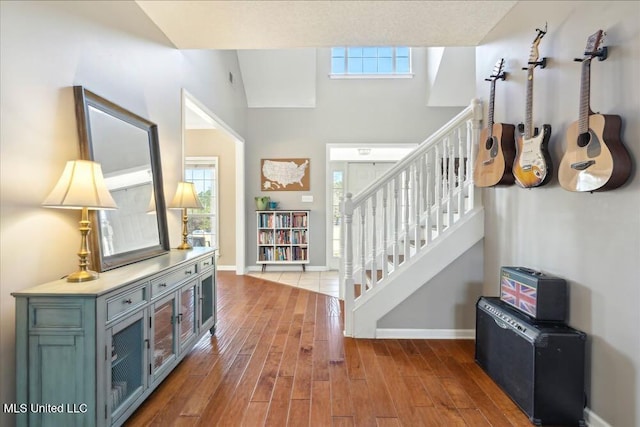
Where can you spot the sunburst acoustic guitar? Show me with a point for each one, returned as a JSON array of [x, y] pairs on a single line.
[[496, 149], [595, 158], [532, 165]]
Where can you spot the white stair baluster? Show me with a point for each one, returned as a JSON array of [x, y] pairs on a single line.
[[347, 256], [396, 222], [363, 247], [374, 232], [416, 205], [385, 228]]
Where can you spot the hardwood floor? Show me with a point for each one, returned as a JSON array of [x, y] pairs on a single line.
[[279, 358]]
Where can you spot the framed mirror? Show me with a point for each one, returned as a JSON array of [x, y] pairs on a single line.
[[127, 147]]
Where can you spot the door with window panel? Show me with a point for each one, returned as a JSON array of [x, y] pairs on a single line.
[[202, 223]]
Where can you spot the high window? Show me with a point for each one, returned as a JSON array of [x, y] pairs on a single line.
[[203, 223], [371, 61]]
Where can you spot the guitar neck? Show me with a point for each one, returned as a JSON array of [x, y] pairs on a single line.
[[528, 123], [585, 86], [492, 98]]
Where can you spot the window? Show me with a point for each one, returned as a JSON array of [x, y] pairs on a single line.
[[371, 61], [203, 223]]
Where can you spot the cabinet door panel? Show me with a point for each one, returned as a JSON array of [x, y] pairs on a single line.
[[164, 335], [126, 357], [59, 361], [208, 301], [187, 313]]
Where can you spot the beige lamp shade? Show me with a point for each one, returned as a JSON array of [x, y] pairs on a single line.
[[186, 197], [81, 186]]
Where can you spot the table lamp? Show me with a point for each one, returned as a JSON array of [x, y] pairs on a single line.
[[81, 186], [186, 197]]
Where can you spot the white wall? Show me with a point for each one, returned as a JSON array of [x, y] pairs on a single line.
[[591, 240], [347, 111], [114, 50]]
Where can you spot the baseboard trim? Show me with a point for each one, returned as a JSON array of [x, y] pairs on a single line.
[[226, 267], [446, 334], [593, 420]]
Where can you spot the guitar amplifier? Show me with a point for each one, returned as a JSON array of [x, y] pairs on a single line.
[[540, 365], [534, 293]]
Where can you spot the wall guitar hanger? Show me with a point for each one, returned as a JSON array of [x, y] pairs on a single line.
[[601, 54], [542, 63]]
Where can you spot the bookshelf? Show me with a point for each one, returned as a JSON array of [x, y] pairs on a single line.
[[282, 237]]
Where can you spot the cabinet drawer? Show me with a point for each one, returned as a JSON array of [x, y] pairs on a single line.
[[125, 302], [163, 283], [205, 264]]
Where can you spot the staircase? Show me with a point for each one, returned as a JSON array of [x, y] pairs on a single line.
[[408, 225]]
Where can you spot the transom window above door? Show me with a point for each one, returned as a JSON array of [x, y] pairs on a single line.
[[370, 61]]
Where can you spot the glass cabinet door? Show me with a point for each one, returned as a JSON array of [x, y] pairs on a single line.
[[187, 314], [208, 301], [126, 353], [164, 332]]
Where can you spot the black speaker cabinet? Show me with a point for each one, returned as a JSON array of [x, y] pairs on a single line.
[[539, 365]]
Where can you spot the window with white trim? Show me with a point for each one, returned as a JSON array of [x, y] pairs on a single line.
[[371, 61], [203, 223]]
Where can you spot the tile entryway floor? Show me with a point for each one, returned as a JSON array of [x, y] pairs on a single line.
[[324, 282]]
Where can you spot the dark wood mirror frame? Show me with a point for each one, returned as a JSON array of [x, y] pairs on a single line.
[[100, 260]]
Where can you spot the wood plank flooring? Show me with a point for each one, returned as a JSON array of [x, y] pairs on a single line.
[[279, 358]]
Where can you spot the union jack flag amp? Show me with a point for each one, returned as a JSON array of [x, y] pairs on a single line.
[[519, 295]]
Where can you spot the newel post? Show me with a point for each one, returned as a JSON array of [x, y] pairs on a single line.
[[347, 258], [472, 140], [476, 127]]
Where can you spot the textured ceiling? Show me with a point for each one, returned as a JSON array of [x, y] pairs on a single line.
[[292, 24]]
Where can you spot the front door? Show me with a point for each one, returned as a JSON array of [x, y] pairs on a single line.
[[357, 177]]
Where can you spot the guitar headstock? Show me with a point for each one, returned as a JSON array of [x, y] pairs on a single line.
[[533, 55], [498, 71], [594, 47]]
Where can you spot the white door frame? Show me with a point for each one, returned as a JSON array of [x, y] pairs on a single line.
[[240, 196], [359, 155]]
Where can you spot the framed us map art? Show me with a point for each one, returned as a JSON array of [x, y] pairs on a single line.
[[284, 174]]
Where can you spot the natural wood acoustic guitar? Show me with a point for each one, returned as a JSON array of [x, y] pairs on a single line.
[[595, 158], [532, 165], [496, 149]]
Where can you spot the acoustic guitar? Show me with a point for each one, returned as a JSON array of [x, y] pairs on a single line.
[[496, 149], [595, 158], [532, 165]]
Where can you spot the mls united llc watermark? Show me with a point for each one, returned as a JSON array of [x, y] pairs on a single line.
[[44, 408]]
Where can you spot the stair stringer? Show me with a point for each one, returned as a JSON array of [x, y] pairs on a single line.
[[416, 272]]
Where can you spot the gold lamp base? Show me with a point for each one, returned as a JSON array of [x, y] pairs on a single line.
[[185, 232], [184, 245], [82, 276]]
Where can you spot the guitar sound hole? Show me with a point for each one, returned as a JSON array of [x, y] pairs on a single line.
[[583, 139], [488, 144]]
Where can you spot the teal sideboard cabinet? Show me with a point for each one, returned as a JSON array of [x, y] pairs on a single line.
[[88, 354]]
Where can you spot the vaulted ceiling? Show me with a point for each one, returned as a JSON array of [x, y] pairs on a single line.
[[265, 30], [293, 24]]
